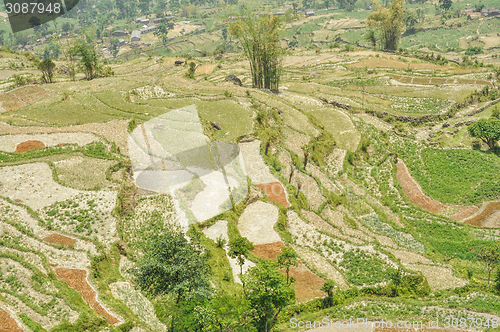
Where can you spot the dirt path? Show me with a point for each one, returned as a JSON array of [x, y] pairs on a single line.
[[416, 195], [77, 279]]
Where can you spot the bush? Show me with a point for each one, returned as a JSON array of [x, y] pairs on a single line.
[[473, 50], [220, 242], [497, 281]]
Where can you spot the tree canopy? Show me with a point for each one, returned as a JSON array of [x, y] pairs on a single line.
[[389, 22], [239, 247], [172, 265], [259, 37], [488, 130], [47, 67], [268, 292]]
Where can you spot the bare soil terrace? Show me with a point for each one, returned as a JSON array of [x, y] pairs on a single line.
[[77, 279]]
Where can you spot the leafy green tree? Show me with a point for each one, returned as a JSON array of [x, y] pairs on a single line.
[[329, 288], [445, 4], [370, 37], [89, 61], [410, 21], [497, 281], [389, 22], [239, 247], [287, 259], [225, 313], [489, 255], [47, 67], [162, 31], [347, 4], [172, 265], [496, 113], [488, 130], [397, 279], [268, 292], [270, 136], [260, 38]]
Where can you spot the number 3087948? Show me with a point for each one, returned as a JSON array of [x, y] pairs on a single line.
[[32, 8]]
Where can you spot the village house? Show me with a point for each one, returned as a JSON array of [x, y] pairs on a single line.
[[136, 36]]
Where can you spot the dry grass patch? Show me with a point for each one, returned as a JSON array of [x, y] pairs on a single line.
[[83, 172], [33, 185], [138, 303], [23, 96], [60, 239], [439, 277]]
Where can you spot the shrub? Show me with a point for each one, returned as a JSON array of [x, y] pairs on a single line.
[[220, 242]]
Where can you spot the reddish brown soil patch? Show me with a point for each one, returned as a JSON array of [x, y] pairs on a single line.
[[268, 250], [307, 284], [489, 209], [29, 145], [23, 96], [465, 211], [415, 194], [413, 191], [275, 192], [60, 239], [7, 323], [76, 279]]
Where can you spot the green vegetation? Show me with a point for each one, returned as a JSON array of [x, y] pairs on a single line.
[[364, 268], [437, 170]]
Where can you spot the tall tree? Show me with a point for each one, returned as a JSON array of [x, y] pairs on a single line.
[[226, 313], [488, 130], [162, 31], [259, 37], [445, 4], [89, 61], [389, 22], [489, 255], [239, 247], [348, 5], [396, 278], [268, 292], [172, 265], [47, 67], [287, 259], [329, 288]]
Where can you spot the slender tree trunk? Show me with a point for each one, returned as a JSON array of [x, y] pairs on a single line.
[[299, 186], [291, 174]]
